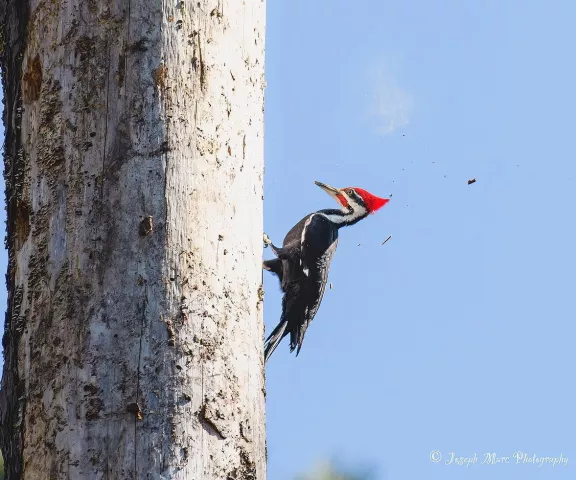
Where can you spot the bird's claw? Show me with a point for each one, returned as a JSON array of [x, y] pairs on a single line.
[[267, 241]]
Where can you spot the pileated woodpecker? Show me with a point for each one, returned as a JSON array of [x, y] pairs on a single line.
[[304, 260]]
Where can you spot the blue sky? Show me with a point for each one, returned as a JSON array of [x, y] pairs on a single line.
[[456, 335]]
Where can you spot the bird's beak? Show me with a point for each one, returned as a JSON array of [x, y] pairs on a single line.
[[333, 192]]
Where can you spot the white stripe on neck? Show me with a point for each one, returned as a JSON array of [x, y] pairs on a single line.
[[346, 216]]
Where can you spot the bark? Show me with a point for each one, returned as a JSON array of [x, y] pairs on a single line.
[[133, 167]]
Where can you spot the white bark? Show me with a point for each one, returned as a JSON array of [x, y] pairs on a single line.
[[134, 185]]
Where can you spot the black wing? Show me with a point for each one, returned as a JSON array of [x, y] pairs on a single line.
[[320, 240]]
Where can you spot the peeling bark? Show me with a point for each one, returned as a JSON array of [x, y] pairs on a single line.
[[134, 170]]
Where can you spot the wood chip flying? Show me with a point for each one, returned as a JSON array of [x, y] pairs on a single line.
[[389, 237], [470, 182]]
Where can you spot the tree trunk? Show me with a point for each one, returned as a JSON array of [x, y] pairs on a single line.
[[134, 165]]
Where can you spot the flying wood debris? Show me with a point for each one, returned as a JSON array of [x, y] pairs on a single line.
[[389, 237], [330, 285], [470, 182]]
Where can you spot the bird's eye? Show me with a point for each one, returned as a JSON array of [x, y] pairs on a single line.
[[350, 191]]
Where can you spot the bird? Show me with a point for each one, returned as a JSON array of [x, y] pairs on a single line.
[[303, 261]]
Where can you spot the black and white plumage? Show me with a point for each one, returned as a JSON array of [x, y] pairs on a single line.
[[303, 261]]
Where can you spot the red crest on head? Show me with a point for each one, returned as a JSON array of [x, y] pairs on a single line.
[[372, 202]]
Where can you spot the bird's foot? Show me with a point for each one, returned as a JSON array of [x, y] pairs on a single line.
[[267, 240]]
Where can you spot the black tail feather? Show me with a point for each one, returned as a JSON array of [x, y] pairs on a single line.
[[297, 337], [292, 322], [274, 339]]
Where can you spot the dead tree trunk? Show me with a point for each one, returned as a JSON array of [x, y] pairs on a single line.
[[134, 163]]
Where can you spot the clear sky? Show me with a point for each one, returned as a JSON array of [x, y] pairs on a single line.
[[457, 335]]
